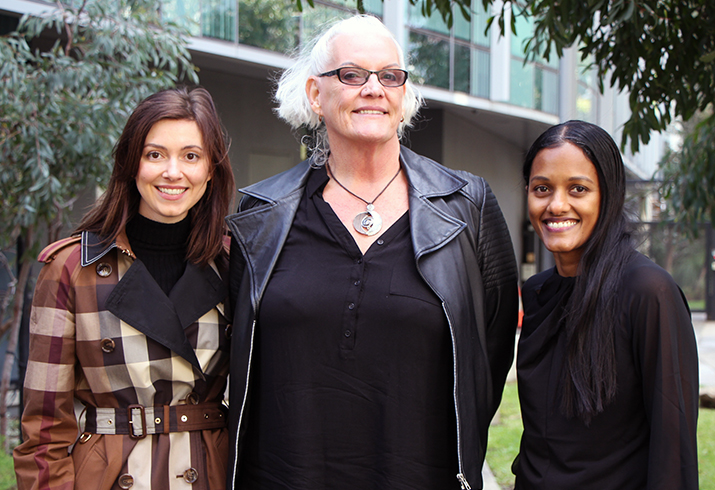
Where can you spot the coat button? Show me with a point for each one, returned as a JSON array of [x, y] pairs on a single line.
[[125, 481], [228, 331], [192, 399], [107, 345], [104, 269], [190, 475]]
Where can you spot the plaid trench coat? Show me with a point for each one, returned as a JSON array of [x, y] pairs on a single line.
[[104, 337]]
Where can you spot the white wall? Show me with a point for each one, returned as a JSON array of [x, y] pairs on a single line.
[[261, 144], [467, 147]]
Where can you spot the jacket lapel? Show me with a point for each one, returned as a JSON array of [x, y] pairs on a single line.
[[196, 292], [261, 231], [431, 226], [139, 301]]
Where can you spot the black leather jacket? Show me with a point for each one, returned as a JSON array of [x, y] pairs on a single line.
[[463, 252]]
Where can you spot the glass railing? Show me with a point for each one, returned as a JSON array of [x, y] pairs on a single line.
[[275, 25]]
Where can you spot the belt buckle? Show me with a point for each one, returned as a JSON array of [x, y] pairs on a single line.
[[130, 416]]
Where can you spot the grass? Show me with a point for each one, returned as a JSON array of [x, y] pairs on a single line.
[[706, 448], [504, 436], [505, 433], [7, 472], [697, 305]]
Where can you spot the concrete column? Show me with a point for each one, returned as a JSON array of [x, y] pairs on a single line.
[[568, 85], [500, 59], [393, 16]]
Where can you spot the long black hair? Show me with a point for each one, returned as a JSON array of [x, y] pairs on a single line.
[[591, 315]]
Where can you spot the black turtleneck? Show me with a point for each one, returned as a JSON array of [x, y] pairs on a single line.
[[161, 247]]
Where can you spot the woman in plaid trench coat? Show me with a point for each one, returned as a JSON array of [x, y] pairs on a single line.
[[128, 333]]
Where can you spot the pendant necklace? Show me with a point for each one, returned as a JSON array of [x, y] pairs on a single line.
[[368, 222]]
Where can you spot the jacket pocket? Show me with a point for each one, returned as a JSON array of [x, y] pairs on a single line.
[[97, 462]]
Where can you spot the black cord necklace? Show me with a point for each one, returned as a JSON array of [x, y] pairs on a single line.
[[368, 222]]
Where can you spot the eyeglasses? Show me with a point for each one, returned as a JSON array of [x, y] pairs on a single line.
[[351, 75]]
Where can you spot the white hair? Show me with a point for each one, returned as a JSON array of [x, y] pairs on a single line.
[[293, 103]]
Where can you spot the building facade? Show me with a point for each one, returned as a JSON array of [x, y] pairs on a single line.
[[484, 104]]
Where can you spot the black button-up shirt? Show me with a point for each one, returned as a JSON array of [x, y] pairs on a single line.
[[352, 378]]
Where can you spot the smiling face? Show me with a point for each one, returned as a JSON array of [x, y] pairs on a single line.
[[173, 170], [564, 199], [363, 114]]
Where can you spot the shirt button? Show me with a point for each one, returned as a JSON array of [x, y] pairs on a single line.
[[359, 261], [380, 241], [125, 481], [351, 306], [107, 345], [357, 283], [347, 333]]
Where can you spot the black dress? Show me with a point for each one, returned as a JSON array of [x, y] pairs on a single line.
[[646, 437]]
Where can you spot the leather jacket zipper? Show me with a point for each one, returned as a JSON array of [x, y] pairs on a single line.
[[464, 484], [463, 481], [243, 405], [460, 476]]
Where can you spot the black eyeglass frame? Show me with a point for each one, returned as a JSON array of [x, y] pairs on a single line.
[[337, 71]]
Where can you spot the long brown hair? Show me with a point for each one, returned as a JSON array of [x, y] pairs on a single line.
[[120, 202]]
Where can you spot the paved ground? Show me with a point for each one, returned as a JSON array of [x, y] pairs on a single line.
[[705, 333]]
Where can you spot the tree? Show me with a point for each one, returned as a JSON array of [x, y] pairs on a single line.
[[63, 104], [662, 52], [689, 174]]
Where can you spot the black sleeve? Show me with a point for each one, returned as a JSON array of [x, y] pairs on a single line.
[[665, 352], [501, 302]]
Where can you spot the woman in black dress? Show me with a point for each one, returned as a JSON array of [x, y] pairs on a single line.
[[607, 361]]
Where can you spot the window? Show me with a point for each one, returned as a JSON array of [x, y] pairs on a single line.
[[534, 84], [275, 25], [454, 59]]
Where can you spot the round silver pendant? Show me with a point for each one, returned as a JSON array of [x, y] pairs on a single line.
[[368, 222]]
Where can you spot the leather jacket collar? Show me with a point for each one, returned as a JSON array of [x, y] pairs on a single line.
[[263, 230]]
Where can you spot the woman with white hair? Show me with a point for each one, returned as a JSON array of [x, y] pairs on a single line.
[[374, 291]]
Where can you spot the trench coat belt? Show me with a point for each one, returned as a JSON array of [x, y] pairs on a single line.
[[138, 421]]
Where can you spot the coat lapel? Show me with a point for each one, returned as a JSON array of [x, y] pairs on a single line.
[[196, 292], [431, 226], [139, 301]]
